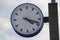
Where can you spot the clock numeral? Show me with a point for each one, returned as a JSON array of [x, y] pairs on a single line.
[[20, 9], [21, 29], [33, 29], [37, 24], [37, 13], [27, 31], [39, 18], [16, 13], [32, 9], [26, 7], [16, 25], [14, 19]]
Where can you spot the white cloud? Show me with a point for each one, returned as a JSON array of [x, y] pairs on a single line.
[[4, 22], [7, 37], [0, 39]]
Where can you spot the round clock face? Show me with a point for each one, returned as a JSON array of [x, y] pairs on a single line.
[[27, 20]]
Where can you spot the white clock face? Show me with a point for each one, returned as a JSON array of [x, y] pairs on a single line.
[[27, 19]]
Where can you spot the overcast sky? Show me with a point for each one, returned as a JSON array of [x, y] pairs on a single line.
[[6, 30]]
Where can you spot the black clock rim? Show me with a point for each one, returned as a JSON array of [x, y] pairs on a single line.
[[28, 35], [25, 35]]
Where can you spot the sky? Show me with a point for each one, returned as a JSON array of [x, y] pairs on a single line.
[[6, 30]]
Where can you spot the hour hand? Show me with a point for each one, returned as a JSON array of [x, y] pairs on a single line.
[[30, 21]]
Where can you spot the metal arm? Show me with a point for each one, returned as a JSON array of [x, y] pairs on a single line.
[[45, 19]]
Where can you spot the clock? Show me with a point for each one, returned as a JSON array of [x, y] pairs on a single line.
[[27, 20]]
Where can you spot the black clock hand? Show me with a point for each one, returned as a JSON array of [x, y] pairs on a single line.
[[31, 21], [34, 21], [28, 20]]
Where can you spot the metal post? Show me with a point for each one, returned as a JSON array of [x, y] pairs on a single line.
[[53, 20], [52, 1]]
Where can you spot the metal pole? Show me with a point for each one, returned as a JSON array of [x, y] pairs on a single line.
[[53, 20], [52, 1]]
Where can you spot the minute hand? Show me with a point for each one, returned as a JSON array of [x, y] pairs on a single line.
[[31, 21]]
